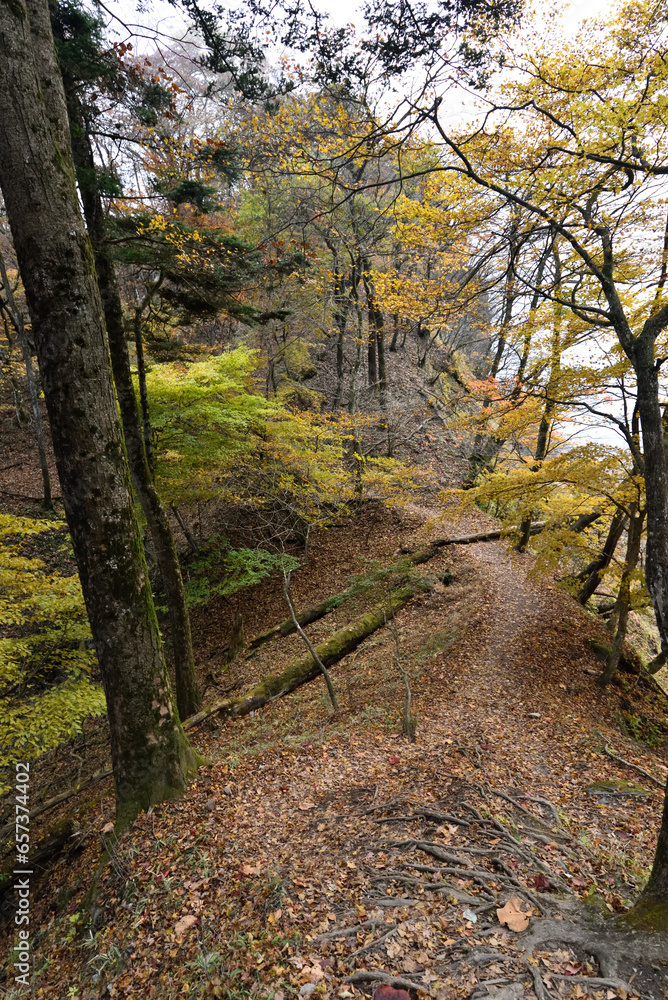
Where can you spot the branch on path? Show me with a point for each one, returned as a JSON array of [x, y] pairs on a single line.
[[635, 767], [309, 645]]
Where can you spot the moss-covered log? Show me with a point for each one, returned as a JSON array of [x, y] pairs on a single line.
[[304, 618], [305, 669], [318, 611]]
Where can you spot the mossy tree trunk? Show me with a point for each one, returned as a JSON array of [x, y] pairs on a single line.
[[188, 696], [150, 752]]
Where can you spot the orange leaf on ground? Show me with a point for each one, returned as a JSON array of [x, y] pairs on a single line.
[[513, 915]]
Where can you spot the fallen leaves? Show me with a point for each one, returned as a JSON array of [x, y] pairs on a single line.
[[252, 869], [513, 915]]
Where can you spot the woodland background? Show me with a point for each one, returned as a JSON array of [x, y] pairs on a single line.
[[368, 296]]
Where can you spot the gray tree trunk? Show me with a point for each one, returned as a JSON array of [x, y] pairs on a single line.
[[150, 753], [188, 696]]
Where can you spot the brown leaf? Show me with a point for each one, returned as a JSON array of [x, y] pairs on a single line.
[[184, 924], [306, 805], [513, 915]]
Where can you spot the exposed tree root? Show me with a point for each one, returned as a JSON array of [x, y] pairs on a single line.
[[374, 976], [475, 875]]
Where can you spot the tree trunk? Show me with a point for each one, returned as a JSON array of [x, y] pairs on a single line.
[[188, 697], [545, 426], [141, 377], [38, 425], [371, 354], [624, 597], [656, 568], [395, 332], [593, 573], [340, 319], [150, 752], [354, 282]]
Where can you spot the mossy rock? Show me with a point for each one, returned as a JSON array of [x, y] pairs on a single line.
[[618, 787]]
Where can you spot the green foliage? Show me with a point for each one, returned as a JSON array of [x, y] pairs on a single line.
[[218, 437], [223, 570], [203, 416], [46, 658]]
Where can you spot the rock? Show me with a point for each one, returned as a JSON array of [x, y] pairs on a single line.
[[307, 989], [227, 790], [618, 788], [210, 805]]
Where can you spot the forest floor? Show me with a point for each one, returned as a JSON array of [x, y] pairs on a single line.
[[320, 855]]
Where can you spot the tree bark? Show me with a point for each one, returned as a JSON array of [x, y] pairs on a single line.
[[141, 376], [150, 752], [593, 573], [340, 319], [188, 696]]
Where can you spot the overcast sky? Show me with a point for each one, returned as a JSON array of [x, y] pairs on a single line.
[[160, 13]]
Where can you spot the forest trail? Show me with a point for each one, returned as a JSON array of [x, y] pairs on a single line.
[[309, 838]]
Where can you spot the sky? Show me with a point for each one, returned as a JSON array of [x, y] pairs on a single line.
[[160, 13]]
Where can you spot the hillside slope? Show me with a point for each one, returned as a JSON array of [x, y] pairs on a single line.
[[314, 848]]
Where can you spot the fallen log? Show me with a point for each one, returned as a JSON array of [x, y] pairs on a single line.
[[60, 797], [304, 618], [318, 611], [478, 536], [305, 669]]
